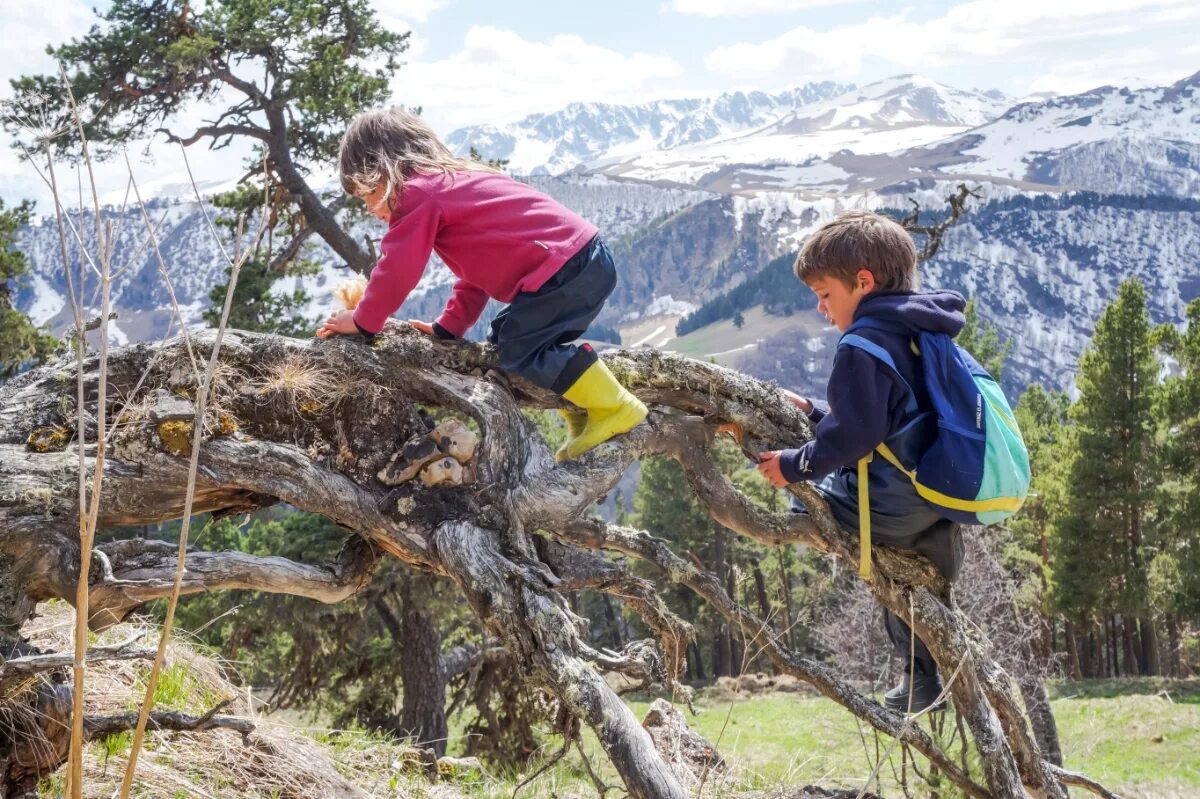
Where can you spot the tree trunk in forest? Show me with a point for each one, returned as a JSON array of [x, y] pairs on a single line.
[[269, 440], [722, 663], [760, 590], [1112, 646], [696, 662], [1074, 668], [785, 587], [423, 706], [1149, 639], [419, 661], [737, 645], [1131, 661], [1174, 662], [615, 634], [1033, 688]]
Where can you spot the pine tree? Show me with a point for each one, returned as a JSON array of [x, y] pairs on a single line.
[[1100, 551], [1043, 417], [1175, 571], [982, 340], [286, 76], [22, 345]]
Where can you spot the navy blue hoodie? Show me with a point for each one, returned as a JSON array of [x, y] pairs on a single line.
[[867, 406]]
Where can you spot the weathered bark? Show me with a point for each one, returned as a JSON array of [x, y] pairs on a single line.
[[534, 622], [319, 450], [1045, 729], [1040, 653]]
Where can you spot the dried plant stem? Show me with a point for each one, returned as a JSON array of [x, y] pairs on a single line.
[[202, 394], [89, 506]]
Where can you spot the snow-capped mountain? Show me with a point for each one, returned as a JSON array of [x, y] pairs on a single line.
[[584, 134], [1076, 193], [194, 262], [1144, 141], [797, 151], [1108, 139]]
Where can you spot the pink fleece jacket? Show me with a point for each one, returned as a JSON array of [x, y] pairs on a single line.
[[498, 236]]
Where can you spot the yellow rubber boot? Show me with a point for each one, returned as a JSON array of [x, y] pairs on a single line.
[[575, 420], [611, 410]]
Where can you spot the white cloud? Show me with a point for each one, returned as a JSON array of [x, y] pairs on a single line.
[[400, 15], [29, 27], [499, 76], [1000, 32], [1136, 68], [729, 8]]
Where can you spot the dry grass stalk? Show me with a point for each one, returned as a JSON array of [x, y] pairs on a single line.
[[193, 466], [88, 510], [297, 382]]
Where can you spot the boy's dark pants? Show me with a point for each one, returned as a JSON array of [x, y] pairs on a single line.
[[534, 334], [942, 543]]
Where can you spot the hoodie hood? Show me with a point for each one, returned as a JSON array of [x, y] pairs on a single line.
[[934, 311]]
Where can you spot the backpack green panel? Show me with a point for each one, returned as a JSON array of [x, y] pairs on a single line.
[[1006, 460]]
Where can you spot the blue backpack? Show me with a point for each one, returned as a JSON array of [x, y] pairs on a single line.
[[976, 471]]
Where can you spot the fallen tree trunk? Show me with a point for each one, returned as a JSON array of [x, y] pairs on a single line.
[[312, 423]]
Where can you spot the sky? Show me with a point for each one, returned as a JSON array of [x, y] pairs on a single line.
[[480, 61]]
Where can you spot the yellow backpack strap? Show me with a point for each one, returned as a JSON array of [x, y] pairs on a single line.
[[864, 519]]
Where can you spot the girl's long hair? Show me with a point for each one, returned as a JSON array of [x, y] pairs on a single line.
[[383, 146]]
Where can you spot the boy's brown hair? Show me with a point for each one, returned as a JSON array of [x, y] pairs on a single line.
[[860, 240]]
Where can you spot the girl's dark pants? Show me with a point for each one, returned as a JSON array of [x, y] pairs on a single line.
[[535, 333]]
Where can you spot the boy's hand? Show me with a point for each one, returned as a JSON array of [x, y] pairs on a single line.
[[424, 327], [797, 400], [768, 466], [338, 323]]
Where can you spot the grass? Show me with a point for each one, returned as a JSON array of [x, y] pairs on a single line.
[[1138, 736], [1127, 734]]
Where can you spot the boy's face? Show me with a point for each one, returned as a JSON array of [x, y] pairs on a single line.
[[377, 203], [837, 301]]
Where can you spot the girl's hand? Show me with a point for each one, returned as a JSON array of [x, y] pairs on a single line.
[[424, 327], [338, 323], [768, 466], [797, 400]]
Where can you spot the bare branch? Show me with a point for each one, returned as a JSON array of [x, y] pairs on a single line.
[[143, 571], [1083, 781], [215, 132], [934, 233], [99, 726], [34, 664]]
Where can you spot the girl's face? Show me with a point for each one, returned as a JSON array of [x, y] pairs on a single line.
[[377, 203]]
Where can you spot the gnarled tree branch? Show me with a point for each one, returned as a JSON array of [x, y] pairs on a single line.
[[318, 444]]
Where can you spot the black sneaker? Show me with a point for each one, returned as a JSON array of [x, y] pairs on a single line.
[[925, 689]]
